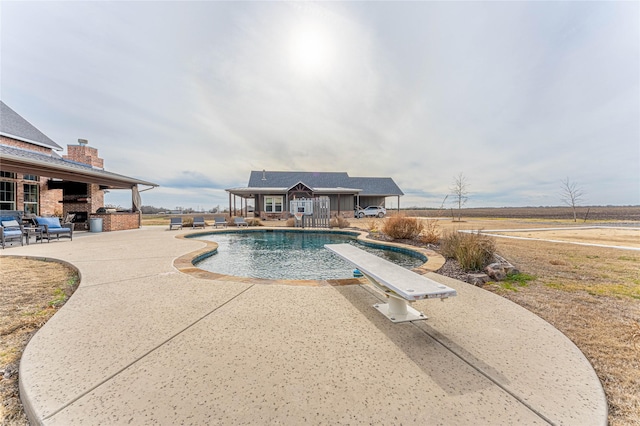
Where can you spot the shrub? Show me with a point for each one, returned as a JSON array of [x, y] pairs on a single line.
[[472, 250], [430, 233], [373, 225], [254, 221], [339, 222], [187, 222], [291, 222], [402, 228]]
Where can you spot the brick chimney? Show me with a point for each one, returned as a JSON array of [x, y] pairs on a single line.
[[88, 203], [82, 153]]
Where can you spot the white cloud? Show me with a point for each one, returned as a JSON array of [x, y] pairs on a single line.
[[514, 95]]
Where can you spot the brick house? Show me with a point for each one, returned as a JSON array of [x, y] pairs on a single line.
[[273, 190], [36, 180]]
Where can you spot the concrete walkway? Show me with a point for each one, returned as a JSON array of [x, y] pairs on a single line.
[[142, 343]]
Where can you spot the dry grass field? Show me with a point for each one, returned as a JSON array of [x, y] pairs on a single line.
[[591, 294], [32, 291], [595, 213]]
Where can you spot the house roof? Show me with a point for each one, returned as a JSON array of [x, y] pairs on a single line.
[[325, 182], [53, 166], [14, 126]]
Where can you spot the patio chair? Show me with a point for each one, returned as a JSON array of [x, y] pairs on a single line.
[[177, 222], [51, 227], [11, 230], [199, 222], [239, 221], [220, 221]]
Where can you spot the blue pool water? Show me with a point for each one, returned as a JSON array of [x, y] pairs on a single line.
[[288, 255]]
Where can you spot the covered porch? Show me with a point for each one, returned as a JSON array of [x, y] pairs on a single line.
[[274, 203], [81, 187]]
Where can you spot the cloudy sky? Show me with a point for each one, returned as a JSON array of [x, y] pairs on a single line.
[[516, 96]]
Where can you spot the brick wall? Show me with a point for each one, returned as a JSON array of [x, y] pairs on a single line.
[[24, 145], [118, 221], [50, 200]]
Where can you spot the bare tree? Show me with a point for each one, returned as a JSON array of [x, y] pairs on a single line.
[[571, 194], [460, 192]]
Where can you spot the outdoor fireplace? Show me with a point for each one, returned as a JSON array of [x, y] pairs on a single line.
[[80, 220]]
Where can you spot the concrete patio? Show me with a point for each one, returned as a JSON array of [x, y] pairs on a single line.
[[142, 343]]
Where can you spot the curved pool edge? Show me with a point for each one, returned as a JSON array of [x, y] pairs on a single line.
[[186, 263]]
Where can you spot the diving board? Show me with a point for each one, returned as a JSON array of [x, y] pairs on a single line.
[[400, 285]]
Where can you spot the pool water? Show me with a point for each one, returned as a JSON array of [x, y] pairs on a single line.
[[288, 255]]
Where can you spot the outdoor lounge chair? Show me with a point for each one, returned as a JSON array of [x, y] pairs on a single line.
[[177, 222], [199, 222], [239, 221], [51, 227], [11, 230], [220, 221]]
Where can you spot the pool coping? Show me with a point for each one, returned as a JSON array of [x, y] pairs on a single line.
[[186, 263]]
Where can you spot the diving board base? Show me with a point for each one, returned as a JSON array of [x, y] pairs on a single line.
[[395, 315]]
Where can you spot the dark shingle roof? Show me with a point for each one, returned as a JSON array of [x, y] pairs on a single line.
[[370, 185], [15, 126], [53, 164], [288, 179], [376, 186]]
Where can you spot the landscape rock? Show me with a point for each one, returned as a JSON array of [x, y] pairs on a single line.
[[496, 271], [9, 371], [477, 279]]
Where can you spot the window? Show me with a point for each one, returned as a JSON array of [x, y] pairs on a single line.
[[273, 204], [31, 177], [30, 198], [9, 175], [7, 195]]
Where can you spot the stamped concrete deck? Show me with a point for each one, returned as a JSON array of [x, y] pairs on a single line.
[[143, 343]]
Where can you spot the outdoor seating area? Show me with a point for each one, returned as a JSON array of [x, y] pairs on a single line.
[[15, 227]]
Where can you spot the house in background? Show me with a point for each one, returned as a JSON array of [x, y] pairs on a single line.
[[271, 192], [36, 180]]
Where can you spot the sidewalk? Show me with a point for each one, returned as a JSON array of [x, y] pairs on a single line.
[[141, 343]]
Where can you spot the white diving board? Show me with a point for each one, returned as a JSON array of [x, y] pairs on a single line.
[[400, 285]]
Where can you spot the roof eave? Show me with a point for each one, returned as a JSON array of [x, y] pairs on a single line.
[[41, 168]]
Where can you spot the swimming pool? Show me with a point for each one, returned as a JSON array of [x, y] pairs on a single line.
[[290, 255]]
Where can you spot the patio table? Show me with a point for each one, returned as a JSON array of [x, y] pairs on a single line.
[[35, 231]]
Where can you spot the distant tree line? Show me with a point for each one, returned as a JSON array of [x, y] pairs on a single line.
[[188, 210]]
